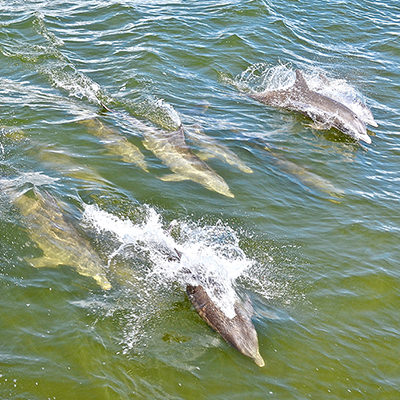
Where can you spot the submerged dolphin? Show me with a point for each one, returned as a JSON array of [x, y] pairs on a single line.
[[238, 331], [115, 143], [319, 108], [70, 167], [60, 242], [305, 176], [171, 148], [211, 148]]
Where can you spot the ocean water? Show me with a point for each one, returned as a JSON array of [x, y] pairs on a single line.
[[302, 221]]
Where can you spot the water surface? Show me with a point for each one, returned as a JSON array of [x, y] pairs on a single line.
[[312, 235]]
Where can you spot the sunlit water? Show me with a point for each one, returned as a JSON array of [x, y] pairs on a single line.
[[311, 236]]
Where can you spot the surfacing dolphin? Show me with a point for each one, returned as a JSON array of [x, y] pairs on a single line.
[[321, 109], [238, 331]]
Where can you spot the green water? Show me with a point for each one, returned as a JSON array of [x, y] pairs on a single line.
[[311, 236]]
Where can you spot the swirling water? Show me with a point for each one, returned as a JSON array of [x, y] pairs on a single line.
[[311, 237]]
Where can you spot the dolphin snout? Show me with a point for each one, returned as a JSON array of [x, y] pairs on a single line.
[[259, 360], [361, 129], [365, 138]]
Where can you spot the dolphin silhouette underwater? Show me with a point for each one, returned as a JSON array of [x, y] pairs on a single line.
[[238, 331], [171, 148], [58, 239], [320, 108]]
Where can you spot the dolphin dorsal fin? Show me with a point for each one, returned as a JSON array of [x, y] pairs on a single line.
[[300, 82]]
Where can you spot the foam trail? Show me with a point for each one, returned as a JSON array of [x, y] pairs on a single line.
[[63, 75]]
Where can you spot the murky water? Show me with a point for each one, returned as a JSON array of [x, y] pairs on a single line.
[[98, 190]]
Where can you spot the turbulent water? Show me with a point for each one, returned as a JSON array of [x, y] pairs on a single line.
[[261, 204]]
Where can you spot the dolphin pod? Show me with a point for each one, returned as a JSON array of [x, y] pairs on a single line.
[[170, 147], [61, 243], [320, 108]]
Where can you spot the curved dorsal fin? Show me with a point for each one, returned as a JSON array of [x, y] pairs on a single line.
[[300, 82]]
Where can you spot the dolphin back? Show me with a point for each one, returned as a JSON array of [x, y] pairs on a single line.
[[238, 331]]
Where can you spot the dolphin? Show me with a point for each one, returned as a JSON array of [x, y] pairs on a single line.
[[321, 109], [70, 167], [115, 143], [58, 239], [305, 176], [211, 148], [238, 331], [171, 148]]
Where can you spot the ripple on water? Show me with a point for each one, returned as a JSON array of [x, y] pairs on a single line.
[[324, 288]]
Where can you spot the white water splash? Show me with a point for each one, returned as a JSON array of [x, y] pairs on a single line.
[[210, 255], [76, 84], [261, 77], [169, 112], [341, 91]]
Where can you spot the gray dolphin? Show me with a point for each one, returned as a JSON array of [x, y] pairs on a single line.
[[307, 177], [320, 108], [238, 331]]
